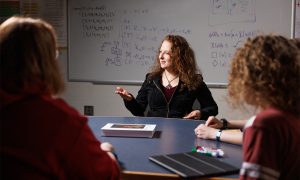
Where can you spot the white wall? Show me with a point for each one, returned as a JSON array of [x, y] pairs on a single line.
[[106, 103]]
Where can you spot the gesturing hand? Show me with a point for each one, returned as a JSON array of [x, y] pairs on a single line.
[[123, 93]]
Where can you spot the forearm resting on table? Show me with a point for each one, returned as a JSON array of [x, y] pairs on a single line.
[[236, 124], [234, 136]]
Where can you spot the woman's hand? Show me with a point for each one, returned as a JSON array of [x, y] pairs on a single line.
[[107, 147], [213, 122], [205, 132], [123, 93], [196, 114]]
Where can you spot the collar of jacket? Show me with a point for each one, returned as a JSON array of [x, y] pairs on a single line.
[[157, 80]]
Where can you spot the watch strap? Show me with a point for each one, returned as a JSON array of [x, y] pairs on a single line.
[[218, 134], [225, 123]]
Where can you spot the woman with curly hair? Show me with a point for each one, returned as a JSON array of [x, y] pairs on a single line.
[[265, 73], [231, 130], [173, 85]]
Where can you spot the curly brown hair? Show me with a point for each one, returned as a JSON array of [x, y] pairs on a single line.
[[184, 62], [28, 55], [266, 72]]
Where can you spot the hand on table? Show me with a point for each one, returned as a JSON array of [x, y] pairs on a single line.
[[205, 132], [213, 122], [196, 114], [107, 147]]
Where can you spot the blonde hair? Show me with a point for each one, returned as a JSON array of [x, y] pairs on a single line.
[[266, 72], [28, 55], [184, 62]]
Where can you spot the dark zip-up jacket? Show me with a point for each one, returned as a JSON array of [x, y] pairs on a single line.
[[180, 104]]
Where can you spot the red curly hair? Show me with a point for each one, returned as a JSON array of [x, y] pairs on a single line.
[[266, 72], [184, 62]]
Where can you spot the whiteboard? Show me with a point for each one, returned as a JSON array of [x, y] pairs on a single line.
[[116, 41]]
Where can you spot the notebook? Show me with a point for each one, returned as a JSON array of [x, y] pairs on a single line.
[[193, 164]]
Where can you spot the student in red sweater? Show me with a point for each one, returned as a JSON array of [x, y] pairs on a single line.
[[231, 131], [42, 137], [265, 73]]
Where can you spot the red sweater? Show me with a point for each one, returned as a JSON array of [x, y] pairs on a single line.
[[271, 146], [44, 138]]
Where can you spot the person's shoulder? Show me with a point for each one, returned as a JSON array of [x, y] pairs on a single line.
[[199, 79], [65, 112], [201, 83], [271, 113], [271, 117], [152, 77], [199, 75], [149, 77]]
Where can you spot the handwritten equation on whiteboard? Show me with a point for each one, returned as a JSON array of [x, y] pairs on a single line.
[[124, 38], [223, 43], [232, 11]]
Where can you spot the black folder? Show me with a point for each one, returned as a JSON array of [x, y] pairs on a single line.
[[193, 164]]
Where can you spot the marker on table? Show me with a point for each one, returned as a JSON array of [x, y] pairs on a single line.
[[208, 151]]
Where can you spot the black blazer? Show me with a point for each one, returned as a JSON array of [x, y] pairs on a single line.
[[180, 104]]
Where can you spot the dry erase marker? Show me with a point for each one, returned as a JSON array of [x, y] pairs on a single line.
[[208, 151]]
